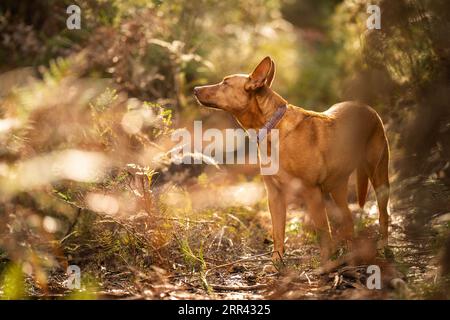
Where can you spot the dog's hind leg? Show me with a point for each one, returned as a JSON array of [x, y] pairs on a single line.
[[339, 195], [378, 165], [316, 208], [380, 182]]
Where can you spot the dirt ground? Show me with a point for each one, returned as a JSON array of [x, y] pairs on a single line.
[[179, 252], [233, 270], [408, 264]]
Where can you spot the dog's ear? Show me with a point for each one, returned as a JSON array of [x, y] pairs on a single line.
[[271, 74], [259, 76]]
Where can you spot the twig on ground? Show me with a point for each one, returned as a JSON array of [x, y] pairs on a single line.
[[234, 262], [258, 286], [183, 219], [219, 287], [306, 276]]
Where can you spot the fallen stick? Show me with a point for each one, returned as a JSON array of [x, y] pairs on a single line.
[[184, 220], [238, 288], [307, 278], [237, 261]]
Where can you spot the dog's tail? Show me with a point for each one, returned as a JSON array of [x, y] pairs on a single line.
[[362, 185]]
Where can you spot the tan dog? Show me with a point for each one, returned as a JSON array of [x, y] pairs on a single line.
[[318, 151]]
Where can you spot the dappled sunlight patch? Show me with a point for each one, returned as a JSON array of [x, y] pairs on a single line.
[[76, 165], [102, 203], [243, 194], [80, 166], [50, 224], [373, 210], [9, 124]]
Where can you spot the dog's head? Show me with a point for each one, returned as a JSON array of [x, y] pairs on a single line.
[[234, 92]]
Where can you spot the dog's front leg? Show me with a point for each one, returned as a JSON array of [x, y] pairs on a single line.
[[277, 207]]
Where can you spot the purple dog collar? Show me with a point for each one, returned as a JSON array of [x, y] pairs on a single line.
[[271, 123]]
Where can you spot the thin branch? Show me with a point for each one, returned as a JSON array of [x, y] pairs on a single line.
[[235, 262]]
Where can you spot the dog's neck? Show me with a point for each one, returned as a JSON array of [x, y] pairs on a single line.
[[263, 104]]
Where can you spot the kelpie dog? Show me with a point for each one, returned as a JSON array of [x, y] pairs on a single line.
[[317, 152]]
